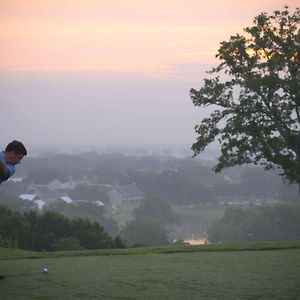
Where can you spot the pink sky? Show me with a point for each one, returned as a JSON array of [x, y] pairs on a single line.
[[126, 35], [111, 72]]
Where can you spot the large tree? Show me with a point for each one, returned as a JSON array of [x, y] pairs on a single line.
[[255, 96], [144, 232], [156, 209]]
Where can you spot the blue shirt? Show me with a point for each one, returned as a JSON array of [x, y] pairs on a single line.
[[10, 168]]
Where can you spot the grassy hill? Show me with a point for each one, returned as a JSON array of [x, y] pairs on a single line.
[[232, 271]]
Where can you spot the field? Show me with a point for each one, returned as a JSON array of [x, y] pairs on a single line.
[[237, 271]]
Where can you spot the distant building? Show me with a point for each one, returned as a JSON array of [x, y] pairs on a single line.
[[40, 204], [98, 203], [43, 192], [58, 185], [34, 199], [28, 197], [15, 179], [125, 194], [66, 199]]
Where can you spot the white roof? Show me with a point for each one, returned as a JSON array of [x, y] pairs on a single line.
[[40, 203], [28, 197], [15, 179], [66, 199]]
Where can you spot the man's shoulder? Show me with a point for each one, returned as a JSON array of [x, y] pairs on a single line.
[[11, 169]]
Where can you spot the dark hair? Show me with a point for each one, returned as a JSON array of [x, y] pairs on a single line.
[[17, 147]]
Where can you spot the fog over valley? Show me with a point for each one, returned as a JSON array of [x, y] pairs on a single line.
[[116, 185]]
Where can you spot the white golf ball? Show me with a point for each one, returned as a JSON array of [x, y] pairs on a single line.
[[45, 270]]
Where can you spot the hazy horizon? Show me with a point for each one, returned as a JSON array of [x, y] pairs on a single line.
[[106, 72]]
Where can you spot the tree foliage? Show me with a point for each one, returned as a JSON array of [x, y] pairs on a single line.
[[44, 175], [51, 231], [85, 210], [89, 192], [256, 109], [273, 223], [156, 209], [144, 232]]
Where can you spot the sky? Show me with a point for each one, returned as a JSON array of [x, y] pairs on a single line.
[[97, 72]]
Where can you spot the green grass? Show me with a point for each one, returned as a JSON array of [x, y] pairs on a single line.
[[171, 272], [7, 253]]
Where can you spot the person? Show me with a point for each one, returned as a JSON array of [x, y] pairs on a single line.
[[9, 158]]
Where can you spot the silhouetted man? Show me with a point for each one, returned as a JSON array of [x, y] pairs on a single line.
[[11, 156]]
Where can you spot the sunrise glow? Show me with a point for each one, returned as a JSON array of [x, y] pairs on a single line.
[[129, 36]]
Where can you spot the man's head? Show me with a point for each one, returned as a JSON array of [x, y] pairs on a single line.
[[14, 152]]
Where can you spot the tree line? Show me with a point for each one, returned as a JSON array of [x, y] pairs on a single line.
[[52, 231], [152, 220], [271, 223]]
